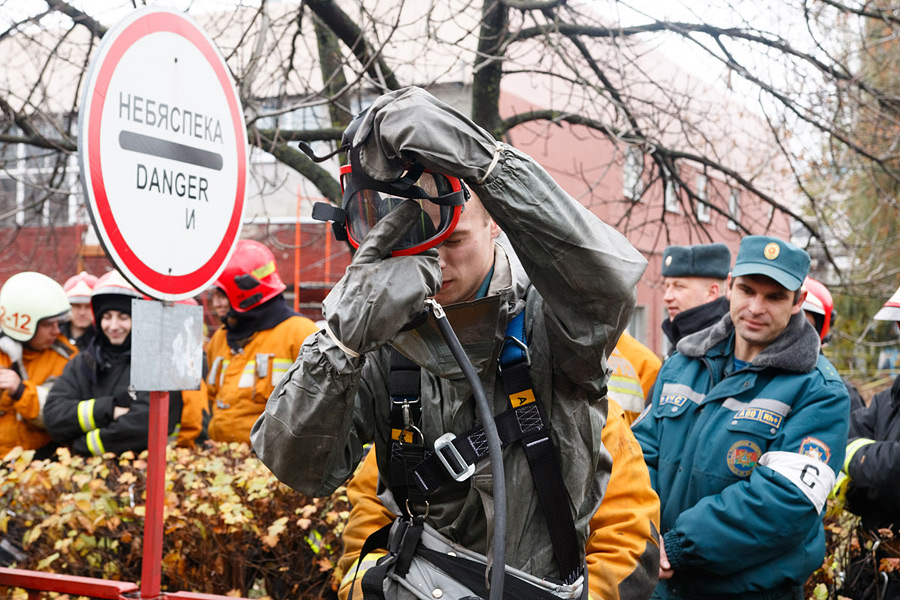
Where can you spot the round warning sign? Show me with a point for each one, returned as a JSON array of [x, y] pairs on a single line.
[[163, 151]]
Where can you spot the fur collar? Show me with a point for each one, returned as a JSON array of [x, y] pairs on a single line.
[[796, 350]]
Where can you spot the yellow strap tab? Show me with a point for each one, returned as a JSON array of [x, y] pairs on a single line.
[[263, 271], [86, 415], [521, 398], [403, 436]]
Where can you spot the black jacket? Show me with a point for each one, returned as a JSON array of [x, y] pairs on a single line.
[[82, 341], [693, 320], [874, 492], [83, 399]]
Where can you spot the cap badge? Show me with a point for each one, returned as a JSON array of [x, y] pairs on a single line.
[[668, 261], [772, 250]]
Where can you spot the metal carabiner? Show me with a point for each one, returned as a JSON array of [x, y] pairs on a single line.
[[409, 511]]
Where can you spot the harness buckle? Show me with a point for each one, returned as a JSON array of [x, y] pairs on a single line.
[[460, 470]]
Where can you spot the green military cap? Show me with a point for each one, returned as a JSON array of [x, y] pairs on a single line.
[[701, 260], [764, 255]]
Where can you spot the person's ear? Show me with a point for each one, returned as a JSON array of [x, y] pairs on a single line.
[[798, 305]]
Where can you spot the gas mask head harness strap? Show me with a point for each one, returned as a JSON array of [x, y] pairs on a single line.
[[366, 200]]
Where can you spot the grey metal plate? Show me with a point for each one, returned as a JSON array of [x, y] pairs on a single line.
[[166, 346]]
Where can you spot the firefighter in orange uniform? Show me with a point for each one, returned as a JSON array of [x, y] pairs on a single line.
[[256, 345], [33, 353], [634, 368]]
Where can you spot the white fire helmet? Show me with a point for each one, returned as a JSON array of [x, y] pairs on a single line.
[[25, 299]]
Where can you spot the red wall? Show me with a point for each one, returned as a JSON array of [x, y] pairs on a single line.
[[580, 160]]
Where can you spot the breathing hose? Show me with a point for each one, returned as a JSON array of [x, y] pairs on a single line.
[[498, 478]]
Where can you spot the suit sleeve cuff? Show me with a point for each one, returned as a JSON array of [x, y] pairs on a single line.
[[854, 456], [16, 394], [674, 549]]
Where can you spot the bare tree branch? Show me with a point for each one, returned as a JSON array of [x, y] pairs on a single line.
[[349, 32], [97, 30]]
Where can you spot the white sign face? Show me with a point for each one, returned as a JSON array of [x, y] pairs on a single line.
[[163, 151]]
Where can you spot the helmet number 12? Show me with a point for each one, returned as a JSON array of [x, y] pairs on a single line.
[[15, 320]]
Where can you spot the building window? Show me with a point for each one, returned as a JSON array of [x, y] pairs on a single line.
[[632, 175], [8, 203], [704, 214], [734, 208], [38, 186], [637, 327], [672, 197]]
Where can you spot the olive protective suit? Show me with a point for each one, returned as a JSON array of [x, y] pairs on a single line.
[[575, 282]]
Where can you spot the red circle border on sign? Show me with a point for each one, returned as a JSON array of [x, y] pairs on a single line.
[[158, 22]]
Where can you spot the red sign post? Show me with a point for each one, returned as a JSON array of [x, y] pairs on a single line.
[[163, 154]]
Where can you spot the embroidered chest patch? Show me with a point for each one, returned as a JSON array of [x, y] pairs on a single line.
[[815, 448], [761, 415], [675, 399], [742, 457]]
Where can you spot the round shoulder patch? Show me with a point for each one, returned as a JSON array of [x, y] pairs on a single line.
[[742, 457], [772, 250]]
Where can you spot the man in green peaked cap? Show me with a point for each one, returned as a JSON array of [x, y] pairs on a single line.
[[743, 438]]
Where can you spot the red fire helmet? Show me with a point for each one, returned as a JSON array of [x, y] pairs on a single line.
[[819, 302], [250, 277]]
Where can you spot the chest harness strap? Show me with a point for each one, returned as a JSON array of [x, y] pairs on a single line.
[[414, 472], [407, 447]]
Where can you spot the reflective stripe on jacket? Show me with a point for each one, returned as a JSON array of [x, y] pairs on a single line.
[[642, 358], [240, 383], [874, 470], [80, 407]]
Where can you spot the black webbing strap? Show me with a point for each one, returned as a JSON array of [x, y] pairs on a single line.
[[525, 421], [407, 447], [405, 544], [512, 425], [376, 540], [470, 573], [401, 547], [543, 460]]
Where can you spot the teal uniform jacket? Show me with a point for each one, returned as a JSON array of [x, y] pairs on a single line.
[[743, 461]]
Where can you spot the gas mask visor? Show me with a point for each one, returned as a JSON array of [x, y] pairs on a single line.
[[366, 201]]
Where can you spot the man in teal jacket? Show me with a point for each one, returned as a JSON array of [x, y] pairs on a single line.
[[743, 438]]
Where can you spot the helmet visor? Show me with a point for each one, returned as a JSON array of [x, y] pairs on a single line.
[[435, 222]]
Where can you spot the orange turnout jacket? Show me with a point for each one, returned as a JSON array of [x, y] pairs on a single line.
[[622, 550], [194, 403], [240, 383], [21, 422], [634, 370]]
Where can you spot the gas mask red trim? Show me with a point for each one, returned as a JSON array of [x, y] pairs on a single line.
[[366, 201]]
